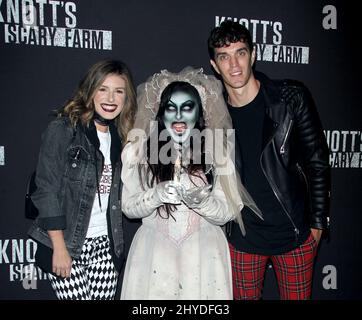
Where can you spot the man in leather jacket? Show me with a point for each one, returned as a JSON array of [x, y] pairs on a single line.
[[282, 158]]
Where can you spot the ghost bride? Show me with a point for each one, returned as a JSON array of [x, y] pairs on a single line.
[[179, 177]]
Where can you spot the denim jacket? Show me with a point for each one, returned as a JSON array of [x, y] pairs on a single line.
[[68, 168]]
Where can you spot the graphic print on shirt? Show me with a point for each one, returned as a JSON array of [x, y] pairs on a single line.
[[98, 220], [105, 180]]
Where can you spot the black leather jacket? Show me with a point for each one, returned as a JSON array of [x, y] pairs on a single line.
[[295, 156]]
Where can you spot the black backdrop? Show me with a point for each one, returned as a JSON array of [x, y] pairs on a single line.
[[46, 48]]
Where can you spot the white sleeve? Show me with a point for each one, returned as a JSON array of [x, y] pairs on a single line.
[[136, 202], [215, 209]]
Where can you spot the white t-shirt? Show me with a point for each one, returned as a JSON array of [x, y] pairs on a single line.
[[98, 220]]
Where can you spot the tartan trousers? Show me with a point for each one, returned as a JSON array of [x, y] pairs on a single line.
[[293, 270]]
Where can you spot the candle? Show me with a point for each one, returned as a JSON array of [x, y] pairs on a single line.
[[177, 169]]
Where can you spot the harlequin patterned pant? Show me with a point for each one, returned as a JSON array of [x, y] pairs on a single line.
[[93, 276], [293, 271]]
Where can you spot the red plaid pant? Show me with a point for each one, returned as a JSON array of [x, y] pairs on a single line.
[[293, 270]]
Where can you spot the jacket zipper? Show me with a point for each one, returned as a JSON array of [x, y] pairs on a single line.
[[303, 174], [282, 148], [296, 230], [76, 156]]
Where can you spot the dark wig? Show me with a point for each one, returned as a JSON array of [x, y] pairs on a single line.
[[159, 172]]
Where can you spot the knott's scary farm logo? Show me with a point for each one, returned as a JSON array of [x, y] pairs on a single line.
[[345, 147], [49, 23], [267, 37], [19, 256]]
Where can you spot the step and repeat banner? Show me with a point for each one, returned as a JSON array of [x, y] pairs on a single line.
[[46, 46]]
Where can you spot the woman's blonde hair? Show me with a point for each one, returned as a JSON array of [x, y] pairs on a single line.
[[81, 106]]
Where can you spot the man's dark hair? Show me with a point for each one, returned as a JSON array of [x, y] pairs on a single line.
[[228, 32]]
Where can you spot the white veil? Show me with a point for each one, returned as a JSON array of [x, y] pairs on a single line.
[[216, 118]]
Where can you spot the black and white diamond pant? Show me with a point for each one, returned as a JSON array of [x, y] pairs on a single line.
[[93, 276]]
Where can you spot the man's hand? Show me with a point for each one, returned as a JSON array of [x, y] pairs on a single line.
[[316, 233]]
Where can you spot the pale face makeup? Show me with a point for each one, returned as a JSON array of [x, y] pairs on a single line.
[[181, 114]]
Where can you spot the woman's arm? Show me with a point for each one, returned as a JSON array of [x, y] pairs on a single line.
[[62, 261], [213, 207], [139, 203], [49, 172]]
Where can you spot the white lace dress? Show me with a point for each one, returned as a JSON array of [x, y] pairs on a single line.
[[185, 258]]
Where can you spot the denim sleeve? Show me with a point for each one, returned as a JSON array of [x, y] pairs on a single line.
[[49, 173]]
